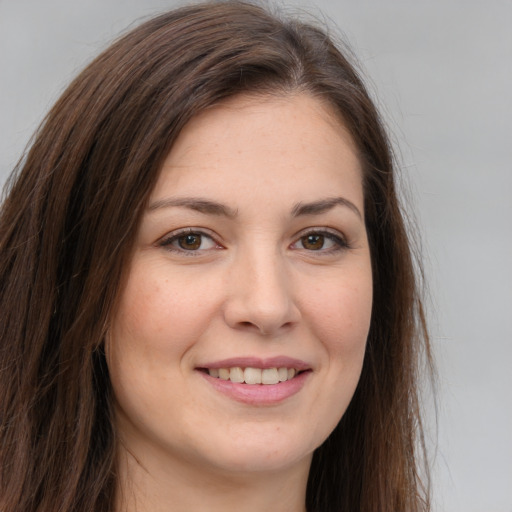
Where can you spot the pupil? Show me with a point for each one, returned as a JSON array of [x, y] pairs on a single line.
[[190, 241], [313, 242]]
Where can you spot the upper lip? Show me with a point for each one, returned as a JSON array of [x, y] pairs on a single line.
[[256, 362]]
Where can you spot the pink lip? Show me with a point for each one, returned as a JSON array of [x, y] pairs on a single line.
[[255, 362], [258, 394]]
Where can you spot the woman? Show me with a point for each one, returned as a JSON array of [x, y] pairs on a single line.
[[207, 292]]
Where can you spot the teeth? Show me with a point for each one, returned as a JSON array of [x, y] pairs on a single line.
[[269, 376], [251, 375], [236, 374], [283, 374], [224, 373]]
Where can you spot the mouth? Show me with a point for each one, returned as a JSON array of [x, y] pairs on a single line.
[[255, 381], [252, 375]]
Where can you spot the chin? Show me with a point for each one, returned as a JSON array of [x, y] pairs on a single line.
[[262, 450], [262, 461]]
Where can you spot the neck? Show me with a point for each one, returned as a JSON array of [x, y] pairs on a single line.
[[179, 487]]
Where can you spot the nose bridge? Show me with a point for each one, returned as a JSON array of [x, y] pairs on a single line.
[[261, 290]]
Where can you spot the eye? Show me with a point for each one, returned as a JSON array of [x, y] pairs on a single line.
[[321, 241], [314, 241], [189, 241]]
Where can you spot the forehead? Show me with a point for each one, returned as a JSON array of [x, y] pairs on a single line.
[[248, 143]]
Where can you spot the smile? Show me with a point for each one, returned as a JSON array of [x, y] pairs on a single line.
[[257, 381], [251, 375]]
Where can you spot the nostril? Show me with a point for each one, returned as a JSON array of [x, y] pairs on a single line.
[[250, 326]]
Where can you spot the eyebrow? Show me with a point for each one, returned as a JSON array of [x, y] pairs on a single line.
[[324, 205], [209, 207], [198, 204]]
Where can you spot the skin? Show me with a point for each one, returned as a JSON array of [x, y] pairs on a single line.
[[253, 285]]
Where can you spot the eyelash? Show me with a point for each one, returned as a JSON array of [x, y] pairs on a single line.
[[167, 242], [338, 240]]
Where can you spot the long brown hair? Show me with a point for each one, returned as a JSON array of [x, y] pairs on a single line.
[[67, 226]]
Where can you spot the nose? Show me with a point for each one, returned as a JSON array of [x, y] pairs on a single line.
[[260, 295]]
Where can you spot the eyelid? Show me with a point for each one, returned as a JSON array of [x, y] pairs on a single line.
[[166, 241], [332, 234]]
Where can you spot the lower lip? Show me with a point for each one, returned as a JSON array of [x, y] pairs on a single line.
[[258, 394]]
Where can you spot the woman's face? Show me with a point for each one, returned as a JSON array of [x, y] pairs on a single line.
[[251, 264]]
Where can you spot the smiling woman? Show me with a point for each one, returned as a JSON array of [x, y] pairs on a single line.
[[285, 294], [207, 293]]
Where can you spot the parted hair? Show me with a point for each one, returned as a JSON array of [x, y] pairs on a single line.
[[70, 213]]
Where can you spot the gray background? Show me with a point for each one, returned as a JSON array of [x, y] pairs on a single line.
[[442, 74]]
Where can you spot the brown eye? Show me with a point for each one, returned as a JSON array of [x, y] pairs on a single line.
[[323, 242], [190, 242], [313, 242]]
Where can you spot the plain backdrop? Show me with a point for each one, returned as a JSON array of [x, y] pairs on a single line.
[[441, 71]]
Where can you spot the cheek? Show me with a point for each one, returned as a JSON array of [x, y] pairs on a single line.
[[340, 318], [341, 314], [159, 313], [157, 321]]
